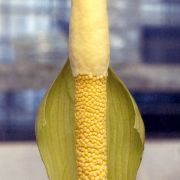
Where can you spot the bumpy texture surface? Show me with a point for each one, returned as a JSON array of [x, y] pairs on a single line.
[[90, 132]]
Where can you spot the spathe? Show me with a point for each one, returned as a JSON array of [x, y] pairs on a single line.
[[55, 129]]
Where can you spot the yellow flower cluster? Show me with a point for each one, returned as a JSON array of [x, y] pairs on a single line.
[[90, 131]]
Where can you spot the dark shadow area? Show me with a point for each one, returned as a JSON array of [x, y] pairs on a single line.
[[161, 44]]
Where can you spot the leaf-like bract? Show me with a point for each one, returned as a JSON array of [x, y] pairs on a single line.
[[55, 129]]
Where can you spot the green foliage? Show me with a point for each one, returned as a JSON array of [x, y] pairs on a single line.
[[55, 129]]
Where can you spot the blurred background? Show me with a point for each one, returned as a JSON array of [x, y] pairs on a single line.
[[145, 52]]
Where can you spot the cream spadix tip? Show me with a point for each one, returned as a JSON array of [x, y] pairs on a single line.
[[89, 38]]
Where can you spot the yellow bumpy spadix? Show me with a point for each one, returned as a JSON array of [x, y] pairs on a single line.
[[89, 58], [90, 131]]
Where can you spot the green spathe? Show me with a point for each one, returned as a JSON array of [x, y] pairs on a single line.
[[55, 129]]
